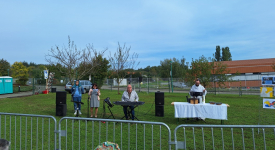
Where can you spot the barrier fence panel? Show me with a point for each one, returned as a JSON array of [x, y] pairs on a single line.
[[88, 133], [224, 137], [27, 131]]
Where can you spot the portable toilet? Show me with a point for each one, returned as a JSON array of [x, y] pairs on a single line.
[[8, 84], [2, 91]]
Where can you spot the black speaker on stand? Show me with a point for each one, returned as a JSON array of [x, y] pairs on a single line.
[[61, 106], [159, 104], [61, 109]]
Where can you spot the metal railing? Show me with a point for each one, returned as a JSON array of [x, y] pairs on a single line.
[[128, 134], [221, 136], [28, 131]]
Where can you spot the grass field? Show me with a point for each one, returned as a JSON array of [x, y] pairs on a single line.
[[244, 110]]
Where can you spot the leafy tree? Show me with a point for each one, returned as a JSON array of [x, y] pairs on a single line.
[[4, 66], [20, 71], [71, 58], [218, 53], [101, 73], [55, 68], [178, 68], [226, 54], [207, 71], [122, 60]]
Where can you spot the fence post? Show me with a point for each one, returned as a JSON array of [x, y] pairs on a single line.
[[32, 86], [169, 84], [148, 84]]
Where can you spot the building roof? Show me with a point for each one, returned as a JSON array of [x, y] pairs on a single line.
[[250, 66]]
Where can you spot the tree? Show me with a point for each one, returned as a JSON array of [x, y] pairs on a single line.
[[218, 53], [4, 66], [101, 73], [178, 68], [122, 60], [71, 58], [206, 71], [20, 71], [226, 54]]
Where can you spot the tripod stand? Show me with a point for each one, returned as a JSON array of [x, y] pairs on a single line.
[[110, 105]]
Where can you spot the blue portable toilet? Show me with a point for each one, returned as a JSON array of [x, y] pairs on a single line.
[[8, 84], [2, 91]]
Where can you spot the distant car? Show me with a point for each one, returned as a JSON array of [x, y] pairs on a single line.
[[86, 84]]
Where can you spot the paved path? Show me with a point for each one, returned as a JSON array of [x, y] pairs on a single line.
[[19, 94]]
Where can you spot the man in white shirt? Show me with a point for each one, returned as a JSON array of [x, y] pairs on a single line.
[[197, 87], [129, 95]]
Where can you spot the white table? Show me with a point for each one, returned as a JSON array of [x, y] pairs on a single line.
[[187, 110]]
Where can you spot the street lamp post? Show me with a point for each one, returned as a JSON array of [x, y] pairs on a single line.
[[171, 77]]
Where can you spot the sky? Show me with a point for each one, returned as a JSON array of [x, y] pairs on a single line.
[[155, 29]]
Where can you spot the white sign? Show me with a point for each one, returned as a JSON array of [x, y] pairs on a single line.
[[269, 103], [46, 74], [7, 81]]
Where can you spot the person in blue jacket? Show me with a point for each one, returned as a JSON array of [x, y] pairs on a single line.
[[77, 91]]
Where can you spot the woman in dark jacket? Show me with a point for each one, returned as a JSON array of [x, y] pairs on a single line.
[[77, 91]]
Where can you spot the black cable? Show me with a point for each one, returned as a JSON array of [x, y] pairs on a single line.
[[149, 109]]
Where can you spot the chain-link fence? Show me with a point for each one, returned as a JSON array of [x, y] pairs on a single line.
[[240, 84]]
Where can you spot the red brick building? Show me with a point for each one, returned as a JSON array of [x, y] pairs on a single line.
[[250, 71]]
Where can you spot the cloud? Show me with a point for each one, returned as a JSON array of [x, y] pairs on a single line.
[[156, 29]]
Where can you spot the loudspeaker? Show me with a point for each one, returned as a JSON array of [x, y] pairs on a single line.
[[159, 98], [53, 90], [61, 109], [61, 97], [159, 109], [139, 79]]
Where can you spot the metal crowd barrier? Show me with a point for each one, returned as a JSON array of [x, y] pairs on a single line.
[[28, 131], [221, 136], [127, 134]]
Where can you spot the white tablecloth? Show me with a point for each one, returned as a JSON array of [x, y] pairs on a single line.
[[187, 110]]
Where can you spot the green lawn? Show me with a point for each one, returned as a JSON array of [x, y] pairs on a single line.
[[245, 110]]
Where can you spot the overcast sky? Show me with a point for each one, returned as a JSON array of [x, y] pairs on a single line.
[[155, 29]]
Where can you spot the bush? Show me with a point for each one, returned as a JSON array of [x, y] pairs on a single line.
[[22, 81]]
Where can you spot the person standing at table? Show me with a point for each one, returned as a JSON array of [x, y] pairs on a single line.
[[94, 93], [77, 91], [132, 96], [197, 87]]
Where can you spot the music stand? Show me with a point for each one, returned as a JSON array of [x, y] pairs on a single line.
[[77, 109], [110, 105], [196, 94]]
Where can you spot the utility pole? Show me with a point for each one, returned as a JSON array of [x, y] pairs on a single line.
[[171, 77]]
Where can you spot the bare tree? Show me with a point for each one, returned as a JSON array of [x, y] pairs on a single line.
[[77, 62], [122, 60]]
